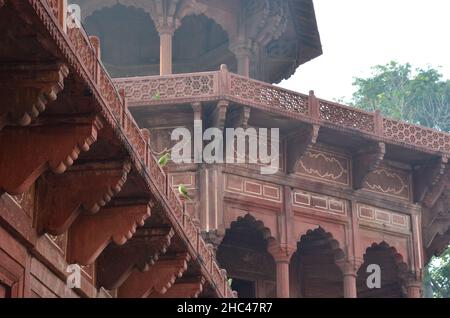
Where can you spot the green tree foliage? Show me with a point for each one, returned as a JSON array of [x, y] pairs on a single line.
[[438, 276], [420, 97]]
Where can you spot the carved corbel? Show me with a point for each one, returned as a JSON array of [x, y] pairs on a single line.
[[27, 152], [189, 288], [298, 143], [27, 89], [159, 278], [90, 234], [239, 118], [117, 263], [218, 115], [437, 219], [428, 181], [365, 162], [83, 188]]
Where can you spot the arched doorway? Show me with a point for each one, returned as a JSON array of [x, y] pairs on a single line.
[[243, 253], [313, 269], [199, 45], [392, 271], [130, 42]]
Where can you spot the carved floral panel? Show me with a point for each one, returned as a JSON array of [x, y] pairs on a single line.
[[389, 181], [325, 166]]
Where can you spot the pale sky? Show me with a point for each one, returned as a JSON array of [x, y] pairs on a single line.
[[358, 34]]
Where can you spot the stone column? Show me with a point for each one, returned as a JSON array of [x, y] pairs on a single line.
[[349, 269], [166, 55], [282, 256], [413, 288], [243, 53]]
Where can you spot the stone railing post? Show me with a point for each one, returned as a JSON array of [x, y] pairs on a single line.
[[314, 107], [224, 81], [379, 129]]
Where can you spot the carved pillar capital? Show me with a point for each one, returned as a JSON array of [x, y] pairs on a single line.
[[349, 267], [282, 253]]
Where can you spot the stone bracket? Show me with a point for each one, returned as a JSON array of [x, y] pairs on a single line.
[[218, 116], [83, 188], [298, 144], [159, 278], [365, 162], [27, 89], [239, 118], [427, 179], [90, 234], [189, 288], [34, 149], [116, 263]]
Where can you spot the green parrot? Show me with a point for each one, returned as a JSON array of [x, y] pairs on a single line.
[[157, 96], [164, 160], [183, 192]]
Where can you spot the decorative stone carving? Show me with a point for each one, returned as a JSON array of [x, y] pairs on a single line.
[[91, 234], [116, 263], [389, 181], [321, 203], [428, 176], [31, 152], [219, 114], [365, 162], [383, 218], [27, 89], [85, 188], [190, 288], [303, 139], [325, 166], [159, 278]]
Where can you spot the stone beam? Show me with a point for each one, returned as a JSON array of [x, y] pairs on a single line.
[[117, 263], [365, 162], [90, 234], [159, 278], [27, 152]]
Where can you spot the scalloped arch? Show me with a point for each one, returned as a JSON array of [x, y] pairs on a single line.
[[333, 243], [254, 223], [396, 256], [184, 8]]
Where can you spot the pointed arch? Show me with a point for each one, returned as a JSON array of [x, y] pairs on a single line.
[[393, 270], [313, 269], [243, 253]]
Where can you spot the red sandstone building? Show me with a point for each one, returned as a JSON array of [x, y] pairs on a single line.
[[85, 111]]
